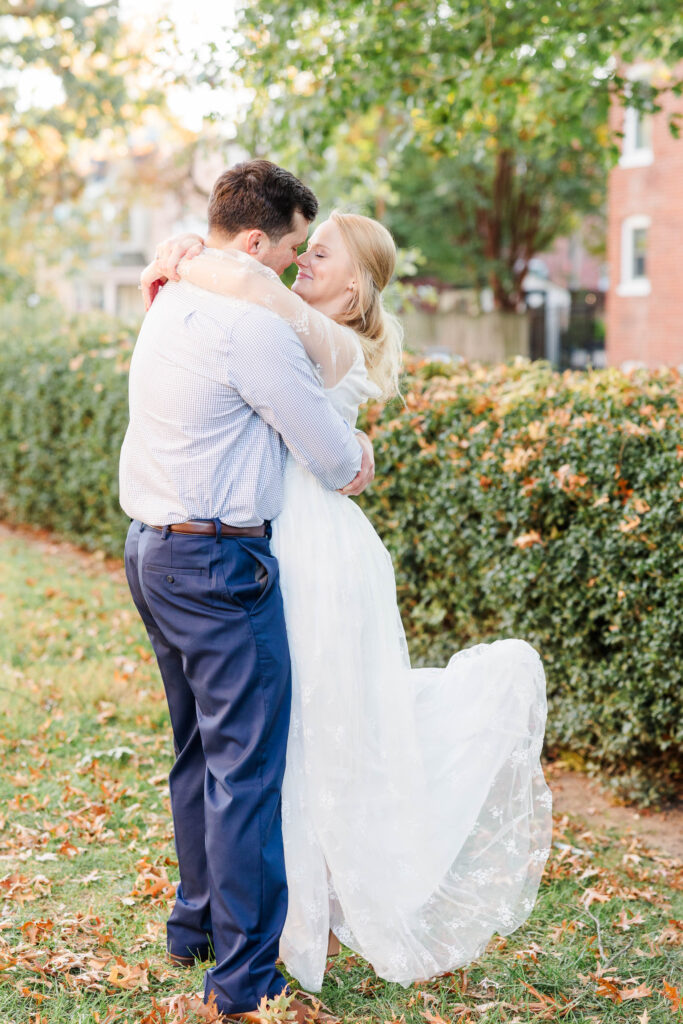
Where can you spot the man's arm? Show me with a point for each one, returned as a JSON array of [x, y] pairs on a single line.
[[269, 367]]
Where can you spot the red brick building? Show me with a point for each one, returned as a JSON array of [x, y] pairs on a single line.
[[645, 237]]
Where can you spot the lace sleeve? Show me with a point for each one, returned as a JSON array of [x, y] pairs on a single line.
[[329, 345]]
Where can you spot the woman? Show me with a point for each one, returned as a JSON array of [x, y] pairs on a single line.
[[416, 819]]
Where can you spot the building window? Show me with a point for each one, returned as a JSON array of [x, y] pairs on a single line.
[[634, 256], [637, 143], [639, 252], [636, 150]]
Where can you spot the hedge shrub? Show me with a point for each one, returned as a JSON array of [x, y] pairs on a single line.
[[63, 414], [515, 501]]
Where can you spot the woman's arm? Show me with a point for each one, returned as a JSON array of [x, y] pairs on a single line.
[[164, 266], [328, 344]]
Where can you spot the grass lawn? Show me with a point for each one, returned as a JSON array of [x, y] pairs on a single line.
[[87, 863]]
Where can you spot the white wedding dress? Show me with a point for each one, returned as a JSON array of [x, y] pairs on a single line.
[[416, 818]]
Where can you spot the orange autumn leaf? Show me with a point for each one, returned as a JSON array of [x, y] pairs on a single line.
[[35, 930], [671, 993], [608, 989], [28, 993], [433, 1018]]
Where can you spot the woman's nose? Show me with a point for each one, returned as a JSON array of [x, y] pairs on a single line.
[[301, 260]]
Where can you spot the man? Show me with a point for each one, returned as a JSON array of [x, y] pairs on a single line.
[[217, 389]]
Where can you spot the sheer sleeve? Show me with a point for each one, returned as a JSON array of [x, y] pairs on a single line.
[[329, 345]]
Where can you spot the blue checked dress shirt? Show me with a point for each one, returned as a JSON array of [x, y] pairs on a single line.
[[219, 389]]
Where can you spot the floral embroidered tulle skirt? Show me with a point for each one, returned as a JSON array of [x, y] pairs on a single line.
[[416, 818]]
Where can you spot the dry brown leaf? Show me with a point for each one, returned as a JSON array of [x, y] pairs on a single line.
[[625, 922], [433, 1018], [129, 976], [641, 992], [594, 896], [543, 1000], [609, 990], [35, 930], [673, 933]]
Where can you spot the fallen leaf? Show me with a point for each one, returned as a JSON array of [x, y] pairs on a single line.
[[594, 896], [130, 977], [673, 995], [641, 992], [433, 1018], [626, 923]]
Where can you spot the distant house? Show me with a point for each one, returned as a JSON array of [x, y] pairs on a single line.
[[141, 196], [645, 235]]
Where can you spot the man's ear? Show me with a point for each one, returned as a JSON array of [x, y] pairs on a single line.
[[255, 242]]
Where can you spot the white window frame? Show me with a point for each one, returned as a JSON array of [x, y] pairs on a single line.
[[633, 155], [630, 285]]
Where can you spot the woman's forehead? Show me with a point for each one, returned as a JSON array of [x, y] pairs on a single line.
[[326, 233]]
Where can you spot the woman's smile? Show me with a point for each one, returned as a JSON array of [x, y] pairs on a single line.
[[326, 274]]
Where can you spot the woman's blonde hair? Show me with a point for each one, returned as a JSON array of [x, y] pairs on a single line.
[[373, 254]]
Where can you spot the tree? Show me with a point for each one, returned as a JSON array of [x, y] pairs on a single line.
[[68, 72], [513, 96]]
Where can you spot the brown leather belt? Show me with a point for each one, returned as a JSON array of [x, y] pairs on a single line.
[[208, 529]]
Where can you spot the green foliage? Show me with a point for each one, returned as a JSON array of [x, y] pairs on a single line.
[[515, 502], [63, 414], [520, 502], [513, 97]]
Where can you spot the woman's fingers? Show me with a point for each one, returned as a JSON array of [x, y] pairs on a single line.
[[151, 280], [366, 473], [165, 266], [194, 251], [173, 250]]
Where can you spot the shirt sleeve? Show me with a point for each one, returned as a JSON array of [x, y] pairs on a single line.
[[268, 366]]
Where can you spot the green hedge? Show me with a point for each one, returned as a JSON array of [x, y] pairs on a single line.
[[515, 501], [63, 414]]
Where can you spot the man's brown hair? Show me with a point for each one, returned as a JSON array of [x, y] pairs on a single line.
[[259, 194]]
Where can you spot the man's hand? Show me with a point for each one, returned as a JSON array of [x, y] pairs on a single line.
[[165, 265], [366, 473]]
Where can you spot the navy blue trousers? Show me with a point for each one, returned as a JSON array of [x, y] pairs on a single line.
[[213, 611]]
